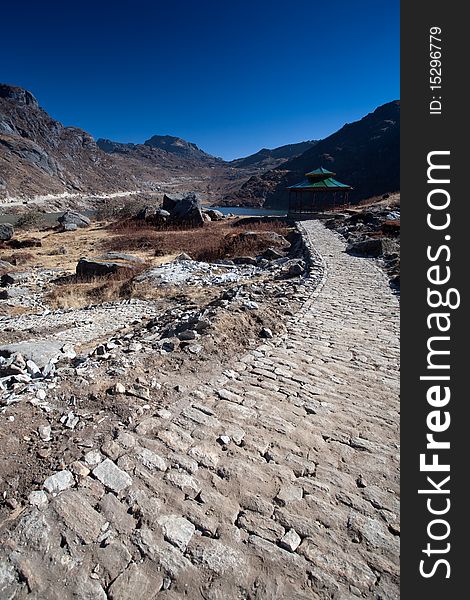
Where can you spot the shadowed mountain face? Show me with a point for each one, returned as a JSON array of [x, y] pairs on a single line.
[[364, 154]]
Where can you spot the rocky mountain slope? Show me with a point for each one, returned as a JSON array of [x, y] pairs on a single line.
[[38, 155], [364, 154], [270, 159]]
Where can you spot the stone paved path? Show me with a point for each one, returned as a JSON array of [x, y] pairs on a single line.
[[299, 500]]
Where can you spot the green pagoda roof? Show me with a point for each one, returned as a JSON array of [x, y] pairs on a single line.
[[320, 173], [320, 180]]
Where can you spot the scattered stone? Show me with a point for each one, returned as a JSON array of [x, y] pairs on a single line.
[[45, 432], [117, 388], [224, 439], [136, 582], [38, 498], [79, 469], [70, 420], [272, 254], [80, 516], [59, 482], [69, 351], [112, 476], [290, 540], [93, 458], [187, 335], [289, 494]]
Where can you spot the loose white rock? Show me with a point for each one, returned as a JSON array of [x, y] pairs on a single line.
[[290, 540], [59, 482], [38, 498]]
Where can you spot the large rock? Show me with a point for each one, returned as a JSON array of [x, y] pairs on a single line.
[[108, 264], [215, 215], [185, 211], [153, 215], [372, 247], [6, 232], [72, 217]]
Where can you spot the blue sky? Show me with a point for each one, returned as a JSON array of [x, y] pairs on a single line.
[[231, 76]]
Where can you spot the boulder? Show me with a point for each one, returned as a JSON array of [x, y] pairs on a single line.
[[5, 265], [215, 215], [74, 217], [153, 214], [272, 254], [185, 211], [371, 247], [6, 232], [70, 227], [266, 237], [15, 278], [109, 264]]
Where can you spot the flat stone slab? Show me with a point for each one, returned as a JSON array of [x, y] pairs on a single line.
[[112, 476], [80, 516], [177, 530]]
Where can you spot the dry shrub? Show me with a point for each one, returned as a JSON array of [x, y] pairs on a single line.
[[18, 258], [73, 291], [30, 220]]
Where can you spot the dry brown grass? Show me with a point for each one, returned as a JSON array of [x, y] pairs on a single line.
[[77, 293], [212, 242]]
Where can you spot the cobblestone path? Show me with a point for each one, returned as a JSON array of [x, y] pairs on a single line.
[[279, 479]]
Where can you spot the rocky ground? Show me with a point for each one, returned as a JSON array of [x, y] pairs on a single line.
[[229, 440]]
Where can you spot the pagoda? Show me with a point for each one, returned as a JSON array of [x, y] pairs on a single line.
[[319, 191]]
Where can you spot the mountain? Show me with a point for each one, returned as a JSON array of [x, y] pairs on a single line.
[[266, 159], [178, 146], [38, 155], [41, 157], [365, 154]]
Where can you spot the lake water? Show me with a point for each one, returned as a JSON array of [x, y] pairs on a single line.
[[250, 211], [51, 218]]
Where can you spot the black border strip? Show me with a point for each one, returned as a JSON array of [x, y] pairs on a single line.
[[424, 132]]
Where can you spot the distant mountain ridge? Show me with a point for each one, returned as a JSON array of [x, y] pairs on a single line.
[[159, 147], [271, 158]]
